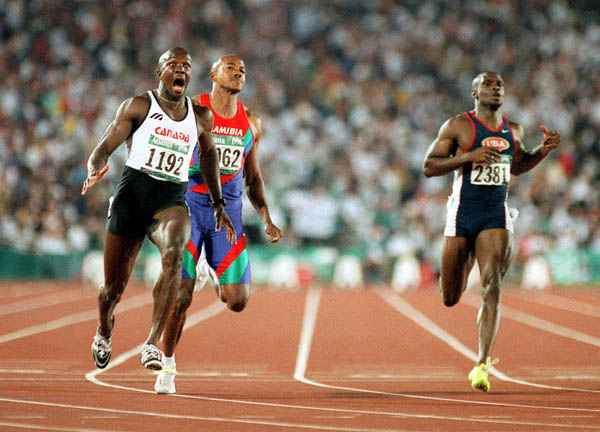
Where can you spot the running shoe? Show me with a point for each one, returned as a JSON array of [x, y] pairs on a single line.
[[165, 381], [479, 375], [101, 347], [151, 357]]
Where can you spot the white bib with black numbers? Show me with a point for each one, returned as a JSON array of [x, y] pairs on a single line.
[[230, 151], [496, 174], [162, 147]]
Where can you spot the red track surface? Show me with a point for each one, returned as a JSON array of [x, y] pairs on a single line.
[[308, 360]]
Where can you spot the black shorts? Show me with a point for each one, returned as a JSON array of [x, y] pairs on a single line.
[[137, 198], [467, 218]]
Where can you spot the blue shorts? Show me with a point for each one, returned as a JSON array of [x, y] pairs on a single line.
[[230, 261], [469, 218]]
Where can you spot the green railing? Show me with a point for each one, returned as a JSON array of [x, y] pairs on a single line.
[[315, 262]]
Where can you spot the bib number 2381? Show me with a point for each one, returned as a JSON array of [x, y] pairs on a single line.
[[497, 174]]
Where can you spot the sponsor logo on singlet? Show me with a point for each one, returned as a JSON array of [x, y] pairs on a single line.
[[226, 130], [495, 143], [166, 132]]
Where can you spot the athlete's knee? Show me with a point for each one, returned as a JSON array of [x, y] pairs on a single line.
[[237, 305], [171, 259], [491, 280], [491, 292], [237, 301], [450, 298], [450, 293], [112, 291]]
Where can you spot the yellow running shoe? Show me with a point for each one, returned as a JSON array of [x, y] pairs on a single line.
[[479, 375]]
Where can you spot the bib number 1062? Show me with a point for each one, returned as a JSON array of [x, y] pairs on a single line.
[[230, 157]]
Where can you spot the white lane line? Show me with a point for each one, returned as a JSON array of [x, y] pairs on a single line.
[[185, 417], [45, 428], [565, 303], [308, 325], [311, 308], [125, 305], [43, 301], [540, 324], [17, 290], [313, 302], [418, 318]]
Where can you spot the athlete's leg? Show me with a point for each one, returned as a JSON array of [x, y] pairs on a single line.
[[119, 257], [457, 261], [176, 318], [235, 295], [494, 252], [170, 232], [230, 262]]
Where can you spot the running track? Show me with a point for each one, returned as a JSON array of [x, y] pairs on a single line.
[[314, 359]]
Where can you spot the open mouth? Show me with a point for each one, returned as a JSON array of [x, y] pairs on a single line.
[[178, 83]]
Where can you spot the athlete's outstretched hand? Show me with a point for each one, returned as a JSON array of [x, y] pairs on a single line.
[[551, 139], [272, 232], [89, 182], [222, 220]]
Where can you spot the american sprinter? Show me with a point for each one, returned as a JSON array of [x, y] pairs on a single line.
[[483, 149]]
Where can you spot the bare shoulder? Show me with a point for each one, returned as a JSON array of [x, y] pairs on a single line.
[[456, 125], [461, 120], [252, 116], [516, 127], [255, 121], [135, 107]]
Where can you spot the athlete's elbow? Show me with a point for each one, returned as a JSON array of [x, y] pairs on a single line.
[[428, 171]]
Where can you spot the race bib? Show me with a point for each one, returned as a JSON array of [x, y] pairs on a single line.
[[496, 174], [230, 157], [165, 159]]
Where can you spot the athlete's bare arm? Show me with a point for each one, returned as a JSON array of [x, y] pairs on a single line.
[[524, 160], [447, 152], [208, 160], [255, 186], [129, 116]]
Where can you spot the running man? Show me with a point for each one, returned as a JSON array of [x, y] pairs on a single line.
[[236, 133], [161, 128], [483, 149]]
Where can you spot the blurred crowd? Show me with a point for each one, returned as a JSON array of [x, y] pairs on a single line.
[[351, 94]]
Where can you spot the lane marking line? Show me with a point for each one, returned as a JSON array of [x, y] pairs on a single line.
[[565, 303], [132, 303], [309, 319], [43, 301], [180, 417], [540, 324], [421, 320], [313, 299]]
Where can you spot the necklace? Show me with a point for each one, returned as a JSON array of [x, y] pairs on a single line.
[[167, 100]]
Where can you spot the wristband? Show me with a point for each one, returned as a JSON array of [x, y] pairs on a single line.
[[215, 203]]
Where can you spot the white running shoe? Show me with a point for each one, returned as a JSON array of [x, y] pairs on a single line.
[[165, 381], [151, 357], [101, 346]]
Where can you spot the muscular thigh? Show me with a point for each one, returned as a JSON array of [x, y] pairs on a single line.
[[230, 261], [171, 228], [494, 249], [457, 257]]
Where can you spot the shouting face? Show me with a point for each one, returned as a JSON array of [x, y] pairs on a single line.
[[174, 69]]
